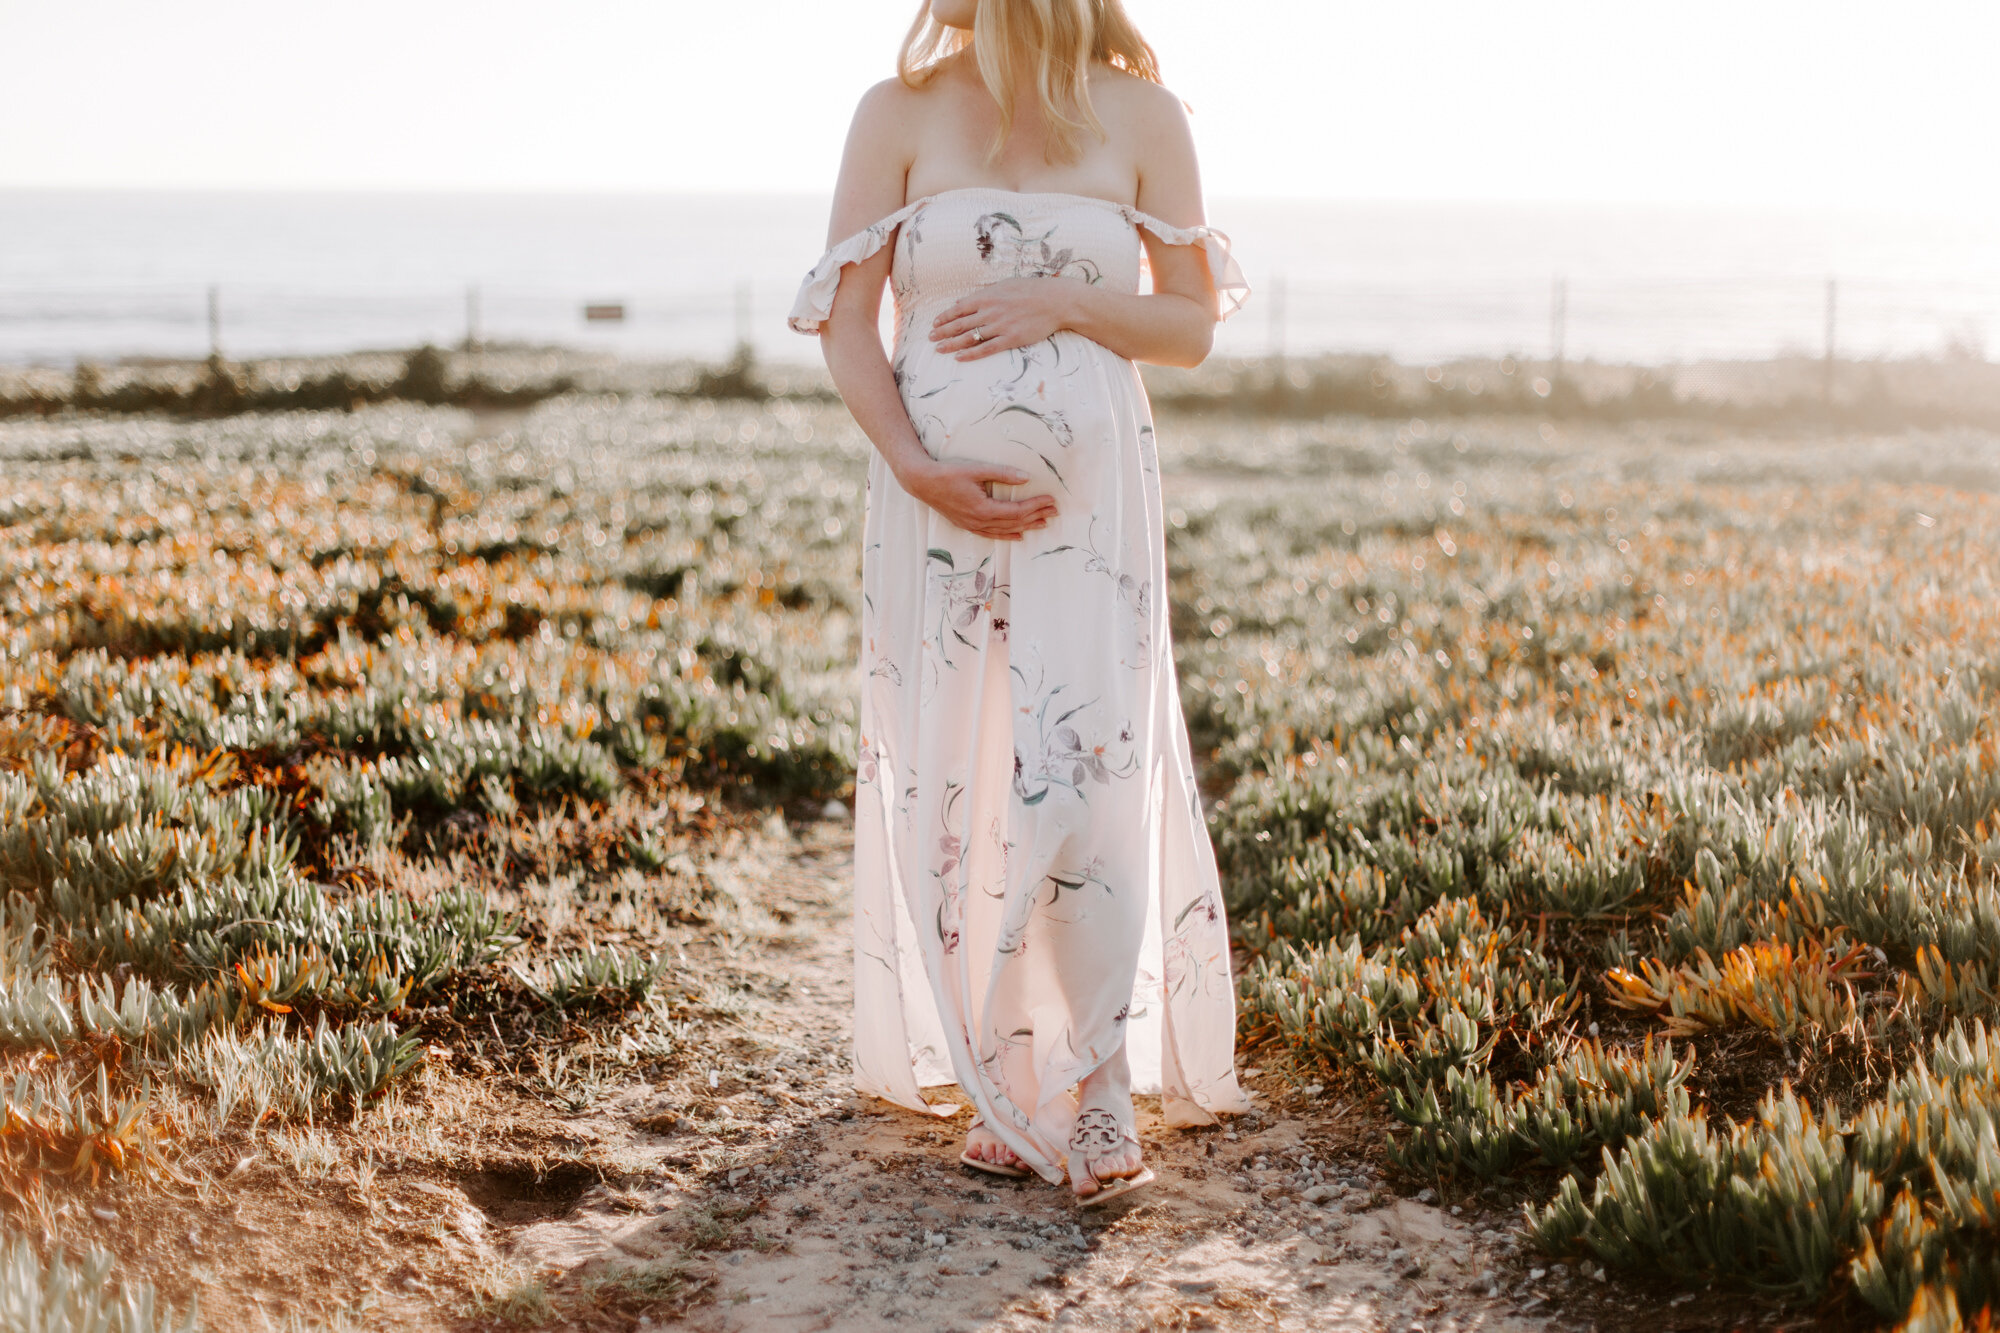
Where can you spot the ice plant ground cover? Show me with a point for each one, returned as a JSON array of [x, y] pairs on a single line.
[[1622, 808], [1615, 806]]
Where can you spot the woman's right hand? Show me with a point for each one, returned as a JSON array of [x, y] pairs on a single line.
[[958, 491]]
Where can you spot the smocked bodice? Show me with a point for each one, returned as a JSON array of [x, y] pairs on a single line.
[[950, 243], [953, 244]]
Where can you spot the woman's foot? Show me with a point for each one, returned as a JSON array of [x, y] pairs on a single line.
[[982, 1144], [1104, 1147]]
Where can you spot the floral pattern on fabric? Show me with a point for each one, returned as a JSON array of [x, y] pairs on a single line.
[[1033, 878]]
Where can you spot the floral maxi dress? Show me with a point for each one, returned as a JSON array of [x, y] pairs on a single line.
[[1033, 879]]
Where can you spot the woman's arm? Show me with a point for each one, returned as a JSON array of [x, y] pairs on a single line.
[[1173, 325], [872, 171]]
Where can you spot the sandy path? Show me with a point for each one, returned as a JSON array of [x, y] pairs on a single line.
[[798, 1206]]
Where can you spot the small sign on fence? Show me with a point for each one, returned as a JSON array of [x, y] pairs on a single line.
[[605, 312]]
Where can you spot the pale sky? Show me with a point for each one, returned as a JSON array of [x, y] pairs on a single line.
[[1846, 103]]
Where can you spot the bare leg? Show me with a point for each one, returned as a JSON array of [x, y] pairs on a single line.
[[1107, 1088]]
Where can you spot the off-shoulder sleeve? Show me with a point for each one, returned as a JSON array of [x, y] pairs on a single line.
[[815, 299], [1230, 285]]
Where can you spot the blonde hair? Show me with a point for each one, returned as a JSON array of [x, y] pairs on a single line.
[[1048, 43]]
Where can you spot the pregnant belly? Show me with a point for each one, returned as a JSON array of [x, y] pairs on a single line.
[[1047, 410]]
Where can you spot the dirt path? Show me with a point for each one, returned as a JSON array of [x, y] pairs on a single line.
[[757, 1179]]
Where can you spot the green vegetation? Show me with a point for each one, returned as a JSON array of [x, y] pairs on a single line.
[[64, 1293], [327, 737], [1618, 807], [1629, 828]]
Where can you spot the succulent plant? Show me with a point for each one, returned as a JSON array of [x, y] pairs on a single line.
[[1556, 786], [63, 1291], [592, 976]]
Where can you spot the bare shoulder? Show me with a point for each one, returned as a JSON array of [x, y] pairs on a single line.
[[1150, 123], [881, 142], [886, 112], [1141, 108]]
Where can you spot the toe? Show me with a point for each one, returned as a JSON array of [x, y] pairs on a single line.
[[1124, 1162]]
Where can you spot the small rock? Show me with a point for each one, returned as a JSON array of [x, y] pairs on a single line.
[[1427, 1196], [1195, 1288], [1318, 1194], [1537, 1274], [104, 1214], [1314, 1089], [936, 1239], [833, 810]]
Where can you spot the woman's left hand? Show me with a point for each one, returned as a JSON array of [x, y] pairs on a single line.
[[1013, 313]]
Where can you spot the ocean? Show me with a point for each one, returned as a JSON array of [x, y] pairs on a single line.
[[107, 274]]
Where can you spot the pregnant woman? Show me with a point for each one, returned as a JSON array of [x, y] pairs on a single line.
[[1036, 914]]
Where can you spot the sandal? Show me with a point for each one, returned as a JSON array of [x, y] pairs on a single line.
[[1098, 1131], [1008, 1170]]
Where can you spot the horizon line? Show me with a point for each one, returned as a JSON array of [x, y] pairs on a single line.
[[1933, 210]]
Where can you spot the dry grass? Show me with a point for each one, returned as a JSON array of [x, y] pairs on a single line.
[[1553, 741], [361, 776]]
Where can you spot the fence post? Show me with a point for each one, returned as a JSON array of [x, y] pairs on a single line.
[[214, 320], [1826, 369], [1277, 329], [472, 336], [1558, 323]]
